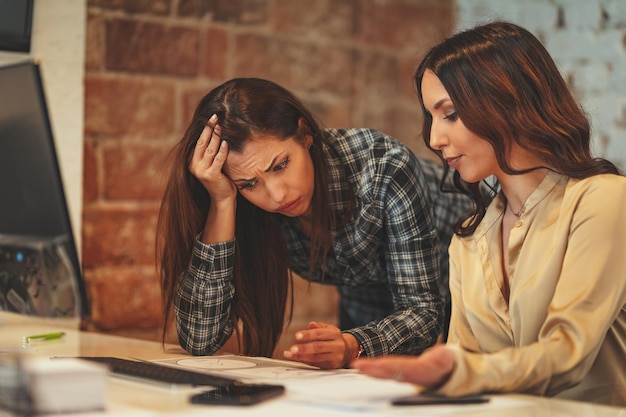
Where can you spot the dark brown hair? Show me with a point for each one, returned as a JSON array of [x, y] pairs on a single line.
[[245, 107], [506, 88]]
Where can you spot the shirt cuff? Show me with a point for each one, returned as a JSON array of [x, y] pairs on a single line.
[[215, 250], [457, 384]]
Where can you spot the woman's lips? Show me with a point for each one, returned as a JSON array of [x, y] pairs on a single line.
[[290, 205], [453, 162]]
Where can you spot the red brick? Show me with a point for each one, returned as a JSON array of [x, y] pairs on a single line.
[[135, 172], [320, 19], [407, 67], [398, 120], [124, 298], [381, 80], [378, 93], [189, 102], [94, 49], [406, 25], [90, 173], [335, 113], [116, 106], [193, 8], [244, 12], [216, 53], [295, 65], [150, 7], [121, 236], [151, 48]]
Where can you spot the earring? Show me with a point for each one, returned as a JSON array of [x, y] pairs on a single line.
[[312, 148]]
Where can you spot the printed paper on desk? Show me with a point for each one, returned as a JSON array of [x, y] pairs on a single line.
[[344, 388], [250, 369]]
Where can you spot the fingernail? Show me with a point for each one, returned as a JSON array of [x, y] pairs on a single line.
[[287, 354], [213, 118], [294, 349], [299, 336]]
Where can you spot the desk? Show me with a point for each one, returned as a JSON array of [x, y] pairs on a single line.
[[128, 398]]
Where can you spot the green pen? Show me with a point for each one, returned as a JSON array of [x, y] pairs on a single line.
[[43, 337]]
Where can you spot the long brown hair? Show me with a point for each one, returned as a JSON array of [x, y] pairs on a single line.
[[506, 88], [244, 106]]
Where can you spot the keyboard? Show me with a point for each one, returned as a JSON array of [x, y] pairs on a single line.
[[158, 373]]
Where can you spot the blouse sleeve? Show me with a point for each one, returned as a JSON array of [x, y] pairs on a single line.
[[589, 294], [203, 299]]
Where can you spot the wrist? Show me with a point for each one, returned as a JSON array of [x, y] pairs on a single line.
[[220, 222], [353, 349], [360, 352]]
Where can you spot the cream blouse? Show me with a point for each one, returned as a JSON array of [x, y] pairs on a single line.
[[563, 331]]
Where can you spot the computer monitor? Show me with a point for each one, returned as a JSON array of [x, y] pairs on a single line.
[[16, 18], [40, 272]]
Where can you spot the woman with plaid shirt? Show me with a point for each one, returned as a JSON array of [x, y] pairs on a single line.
[[258, 190]]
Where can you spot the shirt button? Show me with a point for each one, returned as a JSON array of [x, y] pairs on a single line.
[[518, 223]]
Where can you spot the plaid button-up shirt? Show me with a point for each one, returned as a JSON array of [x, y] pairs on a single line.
[[389, 261]]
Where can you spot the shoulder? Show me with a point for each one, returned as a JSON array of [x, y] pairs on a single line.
[[356, 140], [605, 193], [359, 148], [603, 183], [372, 162]]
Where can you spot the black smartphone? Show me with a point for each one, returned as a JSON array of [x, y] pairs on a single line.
[[429, 399], [238, 393]]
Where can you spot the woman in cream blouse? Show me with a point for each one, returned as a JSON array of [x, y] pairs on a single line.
[[538, 273]]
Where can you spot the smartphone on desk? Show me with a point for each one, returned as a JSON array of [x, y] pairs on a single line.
[[238, 393], [431, 399]]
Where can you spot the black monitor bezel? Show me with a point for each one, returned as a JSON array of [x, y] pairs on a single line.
[[20, 40], [35, 68]]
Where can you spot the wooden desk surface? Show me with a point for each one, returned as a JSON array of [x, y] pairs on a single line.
[[128, 398]]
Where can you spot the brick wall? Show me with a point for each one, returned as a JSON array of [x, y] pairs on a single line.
[[149, 61]]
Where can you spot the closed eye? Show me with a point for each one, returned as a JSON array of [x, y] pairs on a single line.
[[451, 116], [282, 166], [248, 185]]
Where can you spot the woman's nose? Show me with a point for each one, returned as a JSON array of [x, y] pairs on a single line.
[[277, 191], [437, 139]]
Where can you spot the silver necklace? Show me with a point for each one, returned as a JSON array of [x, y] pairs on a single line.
[[519, 213]]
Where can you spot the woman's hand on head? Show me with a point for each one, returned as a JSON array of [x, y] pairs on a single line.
[[322, 345], [430, 369], [208, 160]]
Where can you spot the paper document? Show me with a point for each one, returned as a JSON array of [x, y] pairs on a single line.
[[304, 383], [343, 390]]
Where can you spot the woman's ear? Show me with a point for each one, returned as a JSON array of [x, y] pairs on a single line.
[[304, 133]]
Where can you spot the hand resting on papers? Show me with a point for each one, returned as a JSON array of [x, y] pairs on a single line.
[[429, 370], [323, 345]]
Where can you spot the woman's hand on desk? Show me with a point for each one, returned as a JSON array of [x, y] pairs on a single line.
[[430, 369], [322, 345]]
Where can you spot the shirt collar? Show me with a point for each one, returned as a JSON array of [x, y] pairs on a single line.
[[498, 205]]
